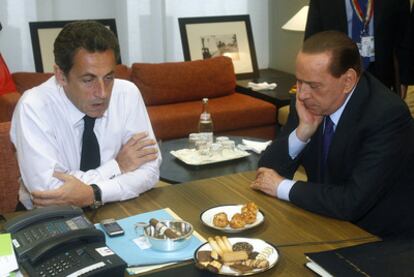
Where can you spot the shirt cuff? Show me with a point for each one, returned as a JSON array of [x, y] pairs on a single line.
[[109, 170], [284, 188], [295, 145]]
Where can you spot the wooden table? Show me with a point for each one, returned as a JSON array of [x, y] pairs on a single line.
[[292, 230], [285, 225]]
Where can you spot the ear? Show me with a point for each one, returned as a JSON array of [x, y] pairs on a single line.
[[60, 75], [350, 80]]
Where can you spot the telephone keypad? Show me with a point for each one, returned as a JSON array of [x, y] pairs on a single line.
[[62, 263]]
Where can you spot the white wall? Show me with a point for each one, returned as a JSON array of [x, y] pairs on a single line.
[[284, 45], [148, 30]]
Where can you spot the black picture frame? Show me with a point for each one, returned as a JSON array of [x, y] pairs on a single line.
[[43, 35], [204, 37]]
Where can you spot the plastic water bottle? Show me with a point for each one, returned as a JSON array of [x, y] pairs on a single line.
[[205, 125]]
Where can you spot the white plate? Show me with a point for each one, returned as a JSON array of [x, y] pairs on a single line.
[[192, 157], [258, 246], [208, 215]]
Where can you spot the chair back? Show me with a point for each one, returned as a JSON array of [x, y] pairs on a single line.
[[9, 171]]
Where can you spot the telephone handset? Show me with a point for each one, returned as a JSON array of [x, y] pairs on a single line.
[[41, 225], [82, 236], [41, 214], [60, 241]]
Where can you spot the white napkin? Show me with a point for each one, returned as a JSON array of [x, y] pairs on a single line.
[[261, 86], [255, 146]]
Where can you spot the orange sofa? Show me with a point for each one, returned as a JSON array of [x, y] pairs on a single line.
[[172, 93]]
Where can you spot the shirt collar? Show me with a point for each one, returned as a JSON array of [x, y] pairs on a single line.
[[337, 114]]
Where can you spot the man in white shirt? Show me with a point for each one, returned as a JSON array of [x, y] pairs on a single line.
[[61, 163], [353, 137]]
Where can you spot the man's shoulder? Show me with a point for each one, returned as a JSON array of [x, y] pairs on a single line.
[[381, 101], [124, 89], [39, 96]]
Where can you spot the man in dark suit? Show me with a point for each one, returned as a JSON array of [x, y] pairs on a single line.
[[354, 138], [387, 25]]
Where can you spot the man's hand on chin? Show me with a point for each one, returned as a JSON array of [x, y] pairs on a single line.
[[72, 192], [308, 121], [267, 181]]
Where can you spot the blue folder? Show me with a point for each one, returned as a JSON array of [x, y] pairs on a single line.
[[124, 246]]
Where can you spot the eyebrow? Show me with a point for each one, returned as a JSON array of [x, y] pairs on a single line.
[[308, 82], [93, 75]]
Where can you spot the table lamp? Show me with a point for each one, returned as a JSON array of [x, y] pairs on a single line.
[[298, 21]]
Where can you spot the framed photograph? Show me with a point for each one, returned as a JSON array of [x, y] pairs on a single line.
[[206, 37], [44, 33]]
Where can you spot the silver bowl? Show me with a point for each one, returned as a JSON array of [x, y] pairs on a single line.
[[163, 243]]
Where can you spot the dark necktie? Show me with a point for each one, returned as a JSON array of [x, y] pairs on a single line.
[[326, 142], [358, 26], [90, 157]]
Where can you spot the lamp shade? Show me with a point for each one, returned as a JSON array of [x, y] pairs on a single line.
[[298, 21]]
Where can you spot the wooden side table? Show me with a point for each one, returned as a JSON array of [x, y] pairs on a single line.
[[280, 96]]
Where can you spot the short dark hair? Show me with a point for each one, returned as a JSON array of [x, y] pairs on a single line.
[[89, 35], [344, 52]]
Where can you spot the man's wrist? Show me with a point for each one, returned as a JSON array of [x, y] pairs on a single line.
[[97, 196]]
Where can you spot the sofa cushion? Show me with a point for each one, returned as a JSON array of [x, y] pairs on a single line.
[[122, 72], [231, 112], [7, 103], [176, 82], [28, 80]]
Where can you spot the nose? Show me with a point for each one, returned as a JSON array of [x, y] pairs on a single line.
[[100, 90], [302, 90]]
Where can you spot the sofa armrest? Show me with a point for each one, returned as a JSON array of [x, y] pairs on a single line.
[[8, 102]]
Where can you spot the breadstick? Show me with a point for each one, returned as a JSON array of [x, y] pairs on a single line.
[[222, 245], [214, 246], [214, 255], [227, 243]]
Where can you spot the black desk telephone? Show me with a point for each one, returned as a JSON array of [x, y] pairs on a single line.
[[61, 241]]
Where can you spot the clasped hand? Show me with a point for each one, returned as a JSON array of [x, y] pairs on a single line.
[[136, 152], [267, 180], [72, 192]]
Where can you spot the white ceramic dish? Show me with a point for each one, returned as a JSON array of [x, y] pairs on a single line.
[[192, 157], [258, 246], [208, 215]]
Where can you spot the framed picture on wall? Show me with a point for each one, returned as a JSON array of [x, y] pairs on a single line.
[[44, 33], [206, 37]]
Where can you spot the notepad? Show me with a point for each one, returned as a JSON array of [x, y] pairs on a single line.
[[384, 258], [8, 262], [133, 255]]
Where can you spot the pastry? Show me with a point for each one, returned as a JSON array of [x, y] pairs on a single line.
[[249, 217], [237, 221], [220, 220], [250, 206], [243, 246], [204, 256]]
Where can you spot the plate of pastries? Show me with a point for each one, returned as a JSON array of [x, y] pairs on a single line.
[[236, 256], [233, 218]]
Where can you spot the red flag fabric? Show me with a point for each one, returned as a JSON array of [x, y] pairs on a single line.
[[6, 82]]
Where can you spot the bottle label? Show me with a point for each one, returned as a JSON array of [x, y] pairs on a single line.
[[205, 116]]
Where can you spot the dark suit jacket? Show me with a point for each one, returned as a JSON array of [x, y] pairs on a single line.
[[391, 20], [369, 176]]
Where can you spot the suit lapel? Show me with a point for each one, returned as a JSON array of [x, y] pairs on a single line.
[[348, 121]]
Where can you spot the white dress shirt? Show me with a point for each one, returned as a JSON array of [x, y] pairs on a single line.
[[47, 133], [296, 146]]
